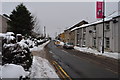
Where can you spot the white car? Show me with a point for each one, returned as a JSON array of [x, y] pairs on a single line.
[[68, 46]]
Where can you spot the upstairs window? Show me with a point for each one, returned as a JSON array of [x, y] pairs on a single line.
[[94, 28], [107, 26], [107, 42], [94, 42], [84, 30]]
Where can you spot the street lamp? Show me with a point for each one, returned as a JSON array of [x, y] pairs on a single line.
[[103, 25]]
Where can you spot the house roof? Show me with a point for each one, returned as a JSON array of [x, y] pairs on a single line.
[[115, 14], [77, 25]]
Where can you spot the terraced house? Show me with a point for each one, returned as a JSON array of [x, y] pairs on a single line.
[[91, 35], [69, 36]]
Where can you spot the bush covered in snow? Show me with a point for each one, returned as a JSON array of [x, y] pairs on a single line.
[[16, 52]]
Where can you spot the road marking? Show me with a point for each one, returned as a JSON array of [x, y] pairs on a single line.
[[64, 51], [51, 52], [61, 69]]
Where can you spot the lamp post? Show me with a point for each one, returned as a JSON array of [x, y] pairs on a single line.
[[103, 25], [44, 31]]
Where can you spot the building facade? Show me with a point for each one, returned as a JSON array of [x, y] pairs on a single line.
[[91, 35], [3, 24], [69, 36], [61, 37]]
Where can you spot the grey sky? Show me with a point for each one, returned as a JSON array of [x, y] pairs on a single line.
[[57, 16]]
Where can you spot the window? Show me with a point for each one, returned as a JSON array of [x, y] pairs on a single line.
[[83, 36], [94, 42], [94, 27], [107, 42], [84, 30], [78, 31], [84, 42], [107, 26]]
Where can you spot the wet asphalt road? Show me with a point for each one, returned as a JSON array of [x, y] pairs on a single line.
[[77, 67]]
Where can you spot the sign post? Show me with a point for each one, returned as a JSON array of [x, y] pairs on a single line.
[[99, 10], [100, 14]]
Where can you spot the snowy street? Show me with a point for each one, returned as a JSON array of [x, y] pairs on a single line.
[[78, 64], [25, 58], [60, 40], [41, 68]]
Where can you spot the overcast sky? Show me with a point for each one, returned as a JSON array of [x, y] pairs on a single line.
[[57, 16]]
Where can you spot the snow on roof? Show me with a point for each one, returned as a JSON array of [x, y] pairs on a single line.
[[61, 32], [114, 14], [4, 17], [80, 23], [99, 21]]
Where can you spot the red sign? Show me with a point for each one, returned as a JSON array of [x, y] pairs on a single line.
[[99, 10]]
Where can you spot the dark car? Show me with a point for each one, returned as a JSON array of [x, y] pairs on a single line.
[[68, 46]]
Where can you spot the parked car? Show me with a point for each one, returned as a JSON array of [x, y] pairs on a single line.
[[68, 46], [57, 43]]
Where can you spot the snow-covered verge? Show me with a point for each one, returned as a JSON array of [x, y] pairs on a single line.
[[17, 58], [41, 68], [40, 47], [12, 71], [93, 51]]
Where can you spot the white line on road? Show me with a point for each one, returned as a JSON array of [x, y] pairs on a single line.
[[64, 51], [51, 52]]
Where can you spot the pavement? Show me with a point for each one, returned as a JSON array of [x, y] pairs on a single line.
[[78, 67]]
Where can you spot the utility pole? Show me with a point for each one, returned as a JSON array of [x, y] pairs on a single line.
[[44, 31], [55, 35], [103, 25]]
